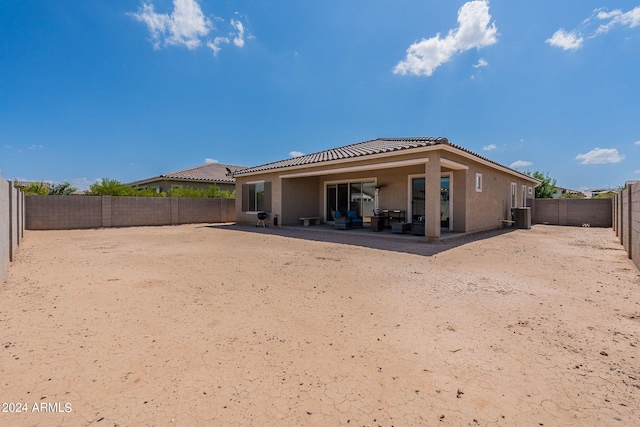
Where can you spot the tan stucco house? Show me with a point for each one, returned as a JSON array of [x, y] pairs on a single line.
[[429, 184], [199, 177]]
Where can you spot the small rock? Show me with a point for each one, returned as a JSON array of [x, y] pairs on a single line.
[[604, 353]]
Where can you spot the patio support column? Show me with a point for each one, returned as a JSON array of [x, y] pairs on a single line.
[[432, 197]]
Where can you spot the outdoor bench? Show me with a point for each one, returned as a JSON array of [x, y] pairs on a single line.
[[310, 220]]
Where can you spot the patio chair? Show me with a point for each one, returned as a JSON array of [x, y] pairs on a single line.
[[353, 220], [343, 221], [340, 220]]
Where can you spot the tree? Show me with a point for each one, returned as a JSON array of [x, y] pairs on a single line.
[[34, 189], [571, 195], [547, 188], [212, 192], [111, 187], [62, 189]]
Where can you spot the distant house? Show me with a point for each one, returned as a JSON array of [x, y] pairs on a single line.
[[196, 177], [567, 192], [428, 184]]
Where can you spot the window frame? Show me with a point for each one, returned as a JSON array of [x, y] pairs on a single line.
[[251, 204], [479, 182]]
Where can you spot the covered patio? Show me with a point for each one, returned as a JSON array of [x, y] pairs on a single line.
[[425, 187]]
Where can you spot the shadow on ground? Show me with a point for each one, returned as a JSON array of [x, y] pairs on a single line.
[[386, 242]]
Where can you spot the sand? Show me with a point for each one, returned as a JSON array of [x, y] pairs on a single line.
[[198, 325]]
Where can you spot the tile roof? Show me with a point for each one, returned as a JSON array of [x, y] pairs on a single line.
[[214, 172], [360, 149], [367, 148]]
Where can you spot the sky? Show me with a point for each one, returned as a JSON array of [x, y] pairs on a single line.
[[131, 89]]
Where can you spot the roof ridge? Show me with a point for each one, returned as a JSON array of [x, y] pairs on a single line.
[[197, 167]]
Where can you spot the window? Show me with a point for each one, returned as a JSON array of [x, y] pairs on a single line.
[[524, 196], [478, 181], [514, 195], [256, 197], [530, 190]]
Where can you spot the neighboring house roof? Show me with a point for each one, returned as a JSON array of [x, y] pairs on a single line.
[[214, 172], [368, 148]]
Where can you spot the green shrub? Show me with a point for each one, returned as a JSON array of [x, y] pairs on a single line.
[[34, 189], [62, 189], [212, 192], [111, 187]]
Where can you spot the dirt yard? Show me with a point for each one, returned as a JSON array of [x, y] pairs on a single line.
[[201, 325]]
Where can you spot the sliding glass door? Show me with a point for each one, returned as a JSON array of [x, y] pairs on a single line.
[[417, 198], [354, 196]]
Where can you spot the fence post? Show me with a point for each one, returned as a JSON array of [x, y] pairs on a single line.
[[614, 204], [10, 221], [106, 211], [630, 228], [174, 211]]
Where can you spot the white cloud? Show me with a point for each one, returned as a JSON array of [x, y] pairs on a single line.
[[474, 31], [238, 40], [215, 44], [489, 147], [599, 156], [186, 25], [296, 153], [603, 22], [566, 40], [520, 164], [637, 143], [210, 161], [481, 63], [34, 146], [617, 18]]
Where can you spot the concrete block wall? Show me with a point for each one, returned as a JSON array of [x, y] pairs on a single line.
[[11, 223], [137, 211], [572, 212], [626, 210], [75, 212], [63, 212]]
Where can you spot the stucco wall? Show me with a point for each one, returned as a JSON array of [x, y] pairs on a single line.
[[276, 199], [472, 211], [573, 212], [306, 204], [11, 223], [75, 212]]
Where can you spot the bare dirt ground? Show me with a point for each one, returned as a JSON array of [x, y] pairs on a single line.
[[201, 325]]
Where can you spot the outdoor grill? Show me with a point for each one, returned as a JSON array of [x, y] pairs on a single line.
[[261, 217]]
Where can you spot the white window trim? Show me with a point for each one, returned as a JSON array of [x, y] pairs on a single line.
[[260, 181], [479, 182], [513, 197]]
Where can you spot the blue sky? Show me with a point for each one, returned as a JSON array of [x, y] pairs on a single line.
[[127, 90]]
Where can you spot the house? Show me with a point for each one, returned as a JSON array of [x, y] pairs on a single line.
[[199, 177], [429, 183]]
